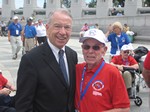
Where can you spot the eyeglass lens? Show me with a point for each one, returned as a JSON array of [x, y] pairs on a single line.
[[87, 47], [126, 52]]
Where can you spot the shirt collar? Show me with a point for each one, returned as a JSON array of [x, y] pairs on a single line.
[[54, 48], [95, 68]]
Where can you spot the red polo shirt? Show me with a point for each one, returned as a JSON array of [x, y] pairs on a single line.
[[147, 61], [3, 81], [107, 90], [119, 61]]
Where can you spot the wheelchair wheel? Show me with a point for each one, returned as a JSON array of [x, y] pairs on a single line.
[[138, 101]]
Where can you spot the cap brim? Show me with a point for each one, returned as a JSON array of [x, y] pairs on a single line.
[[82, 39]]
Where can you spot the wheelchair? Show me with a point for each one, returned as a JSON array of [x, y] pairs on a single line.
[[135, 85]]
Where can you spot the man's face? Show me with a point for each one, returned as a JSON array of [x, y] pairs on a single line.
[[15, 20], [40, 21], [125, 54], [93, 51], [59, 29]]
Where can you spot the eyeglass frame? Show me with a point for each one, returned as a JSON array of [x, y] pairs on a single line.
[[95, 47]]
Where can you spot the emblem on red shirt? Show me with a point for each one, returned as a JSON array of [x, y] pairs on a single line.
[[98, 85]]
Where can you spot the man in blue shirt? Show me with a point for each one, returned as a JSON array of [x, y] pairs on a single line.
[[15, 36], [29, 34]]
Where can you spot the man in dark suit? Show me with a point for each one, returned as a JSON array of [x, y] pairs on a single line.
[[41, 86]]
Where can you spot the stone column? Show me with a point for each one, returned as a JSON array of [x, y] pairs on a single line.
[[52, 5], [76, 8], [28, 7], [102, 8], [131, 7], [7, 7]]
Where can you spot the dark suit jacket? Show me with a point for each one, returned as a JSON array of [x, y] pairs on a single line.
[[41, 86]]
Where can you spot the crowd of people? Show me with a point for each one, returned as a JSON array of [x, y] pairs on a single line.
[[25, 36], [50, 79]]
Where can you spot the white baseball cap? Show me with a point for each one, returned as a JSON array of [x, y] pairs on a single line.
[[126, 47], [95, 34], [31, 18], [15, 17]]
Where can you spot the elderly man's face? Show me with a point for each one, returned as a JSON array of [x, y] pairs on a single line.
[[59, 30], [125, 54], [93, 52]]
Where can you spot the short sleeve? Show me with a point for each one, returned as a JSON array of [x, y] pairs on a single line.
[[3, 81]]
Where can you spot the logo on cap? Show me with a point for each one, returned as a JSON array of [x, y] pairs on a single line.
[[92, 32]]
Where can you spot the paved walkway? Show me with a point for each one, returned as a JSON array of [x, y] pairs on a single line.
[[9, 67]]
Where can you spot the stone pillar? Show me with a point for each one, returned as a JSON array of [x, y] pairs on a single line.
[[102, 8], [28, 7], [52, 5], [76, 8], [7, 7], [131, 7]]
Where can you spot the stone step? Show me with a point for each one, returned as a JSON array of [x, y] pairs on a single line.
[[142, 38], [75, 34]]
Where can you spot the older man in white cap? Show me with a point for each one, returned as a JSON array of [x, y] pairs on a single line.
[[125, 60], [14, 36], [96, 81]]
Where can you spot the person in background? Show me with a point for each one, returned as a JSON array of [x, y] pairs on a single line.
[[9, 22], [113, 12], [117, 38], [146, 70], [119, 13], [41, 84], [126, 28], [6, 101], [84, 28], [29, 35], [99, 85], [96, 26], [130, 33], [41, 32], [15, 36], [3, 28], [128, 61]]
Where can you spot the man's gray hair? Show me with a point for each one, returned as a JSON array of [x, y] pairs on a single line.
[[61, 10]]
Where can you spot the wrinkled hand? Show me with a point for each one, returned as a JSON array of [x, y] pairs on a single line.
[[12, 88], [120, 67], [5, 91]]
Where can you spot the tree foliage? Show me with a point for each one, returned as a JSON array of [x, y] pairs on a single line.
[[93, 3], [147, 2]]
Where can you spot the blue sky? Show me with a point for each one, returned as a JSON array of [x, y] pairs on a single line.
[[19, 3]]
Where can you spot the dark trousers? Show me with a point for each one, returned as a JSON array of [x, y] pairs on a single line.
[[41, 40], [7, 109], [7, 101]]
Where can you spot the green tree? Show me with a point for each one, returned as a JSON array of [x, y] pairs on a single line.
[[147, 2], [93, 3]]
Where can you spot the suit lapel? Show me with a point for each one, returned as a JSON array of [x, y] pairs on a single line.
[[50, 59]]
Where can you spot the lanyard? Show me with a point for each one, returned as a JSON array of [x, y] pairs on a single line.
[[87, 86], [117, 43]]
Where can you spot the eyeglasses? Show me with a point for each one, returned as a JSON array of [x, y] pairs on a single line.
[[126, 52], [87, 47], [59, 27]]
